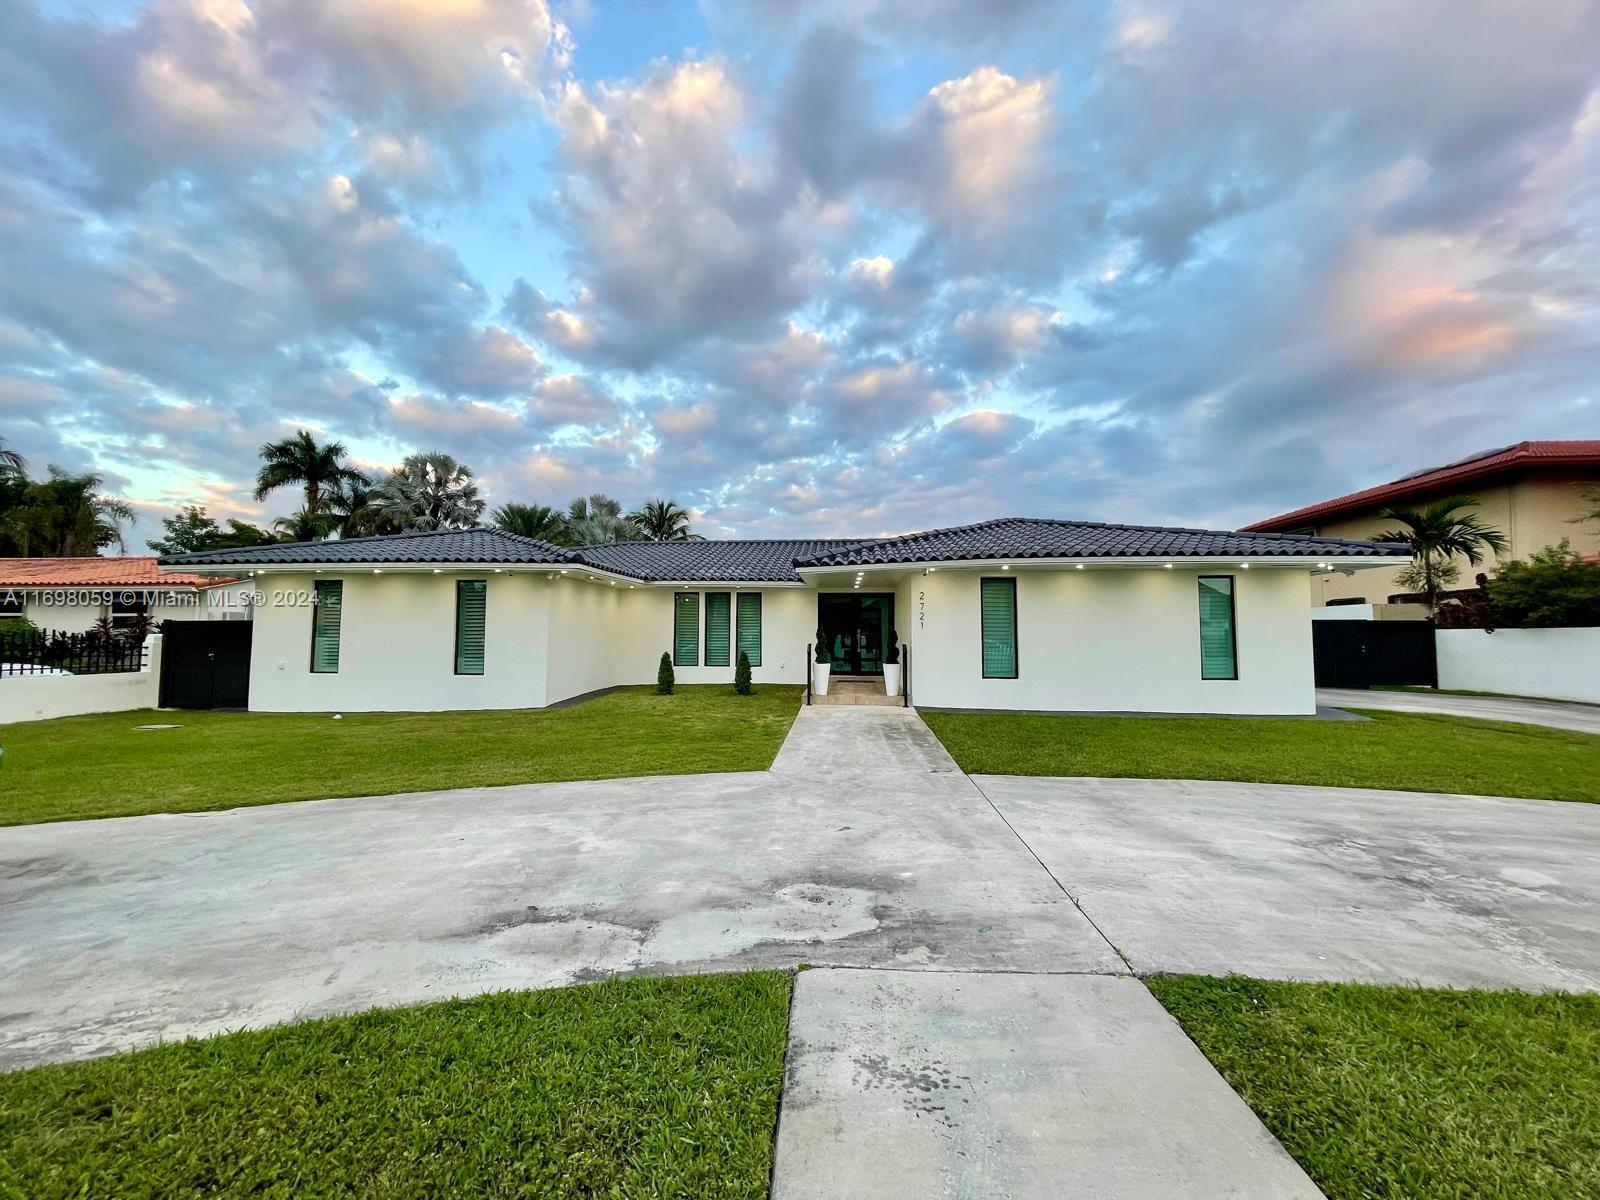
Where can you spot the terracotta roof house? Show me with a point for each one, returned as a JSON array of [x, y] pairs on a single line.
[[1019, 613], [1533, 492], [70, 594]]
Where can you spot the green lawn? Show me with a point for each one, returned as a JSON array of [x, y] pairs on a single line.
[[642, 1087], [1418, 752], [1385, 1092], [101, 766]]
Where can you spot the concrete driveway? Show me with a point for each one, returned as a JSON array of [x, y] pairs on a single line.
[[120, 932], [1582, 718], [1323, 883], [978, 1033]]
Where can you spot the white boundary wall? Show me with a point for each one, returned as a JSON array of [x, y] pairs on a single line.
[[1557, 664], [42, 697]]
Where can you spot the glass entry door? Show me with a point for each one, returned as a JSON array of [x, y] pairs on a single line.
[[856, 627]]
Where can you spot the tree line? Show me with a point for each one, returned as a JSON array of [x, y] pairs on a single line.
[[62, 515], [66, 514]]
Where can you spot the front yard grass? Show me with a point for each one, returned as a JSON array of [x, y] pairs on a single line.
[[640, 1087], [1419, 752], [1386, 1092], [101, 766]]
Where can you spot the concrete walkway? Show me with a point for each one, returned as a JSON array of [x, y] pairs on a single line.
[[1582, 718], [979, 1034], [921, 1084]]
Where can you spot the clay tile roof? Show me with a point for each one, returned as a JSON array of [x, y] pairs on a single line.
[[139, 570], [1524, 456]]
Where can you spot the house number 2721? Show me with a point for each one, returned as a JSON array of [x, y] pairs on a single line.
[[922, 610]]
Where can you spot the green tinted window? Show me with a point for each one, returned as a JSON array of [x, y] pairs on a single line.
[[471, 618], [717, 628], [998, 601], [1218, 656], [325, 617], [686, 629], [750, 626]]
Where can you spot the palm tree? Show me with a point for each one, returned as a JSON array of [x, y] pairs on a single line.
[[538, 521], [597, 519], [65, 515], [300, 461], [305, 526], [1440, 531], [11, 463], [662, 521], [428, 491], [353, 513]]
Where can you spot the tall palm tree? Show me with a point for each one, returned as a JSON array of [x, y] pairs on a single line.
[[530, 520], [11, 463], [598, 518], [300, 461], [428, 491], [1440, 531], [662, 521]]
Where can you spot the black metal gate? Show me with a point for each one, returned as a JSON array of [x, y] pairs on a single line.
[[1359, 654], [205, 664]]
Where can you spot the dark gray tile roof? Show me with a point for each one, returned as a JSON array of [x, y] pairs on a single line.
[[1029, 537], [443, 546], [775, 561], [709, 561]]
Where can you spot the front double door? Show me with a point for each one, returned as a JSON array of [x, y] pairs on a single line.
[[857, 627]]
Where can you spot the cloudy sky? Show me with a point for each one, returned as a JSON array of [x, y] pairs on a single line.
[[887, 265]]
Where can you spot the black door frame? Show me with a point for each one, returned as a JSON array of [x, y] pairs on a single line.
[[852, 665]]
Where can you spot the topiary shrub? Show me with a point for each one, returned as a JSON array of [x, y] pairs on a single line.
[[741, 675], [892, 654], [664, 676], [823, 653]]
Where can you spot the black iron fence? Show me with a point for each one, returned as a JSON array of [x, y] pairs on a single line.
[[43, 652]]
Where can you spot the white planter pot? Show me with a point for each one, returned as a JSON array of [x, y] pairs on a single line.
[[819, 678], [891, 679]]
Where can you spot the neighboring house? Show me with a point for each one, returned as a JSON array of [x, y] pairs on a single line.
[[1008, 614], [1533, 493], [69, 595]]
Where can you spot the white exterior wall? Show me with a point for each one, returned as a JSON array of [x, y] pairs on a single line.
[[43, 697], [1112, 641], [1558, 664], [1092, 640], [788, 624], [546, 640], [397, 645]]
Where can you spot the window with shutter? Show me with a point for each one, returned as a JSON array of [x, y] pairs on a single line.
[[472, 596], [686, 629], [718, 616], [998, 605], [1218, 653], [325, 618], [750, 626]]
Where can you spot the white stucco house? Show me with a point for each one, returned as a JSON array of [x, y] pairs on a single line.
[[1018, 613]]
